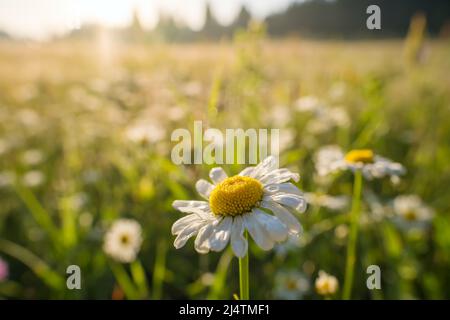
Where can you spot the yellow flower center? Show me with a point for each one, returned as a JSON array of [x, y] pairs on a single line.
[[360, 156], [235, 196], [291, 284], [124, 239], [323, 287], [410, 215]]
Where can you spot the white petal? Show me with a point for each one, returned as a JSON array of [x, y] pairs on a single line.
[[204, 188], [182, 223], [383, 166], [238, 242], [397, 169], [282, 187], [247, 171], [221, 234], [201, 242], [187, 233], [204, 213], [285, 216], [217, 175], [368, 172], [267, 165], [189, 203], [279, 176], [258, 232], [276, 229], [329, 159], [293, 201]]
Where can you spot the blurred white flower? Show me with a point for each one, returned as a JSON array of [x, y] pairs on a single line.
[[323, 200], [326, 284], [123, 240], [290, 285], [145, 133], [309, 104], [32, 157], [33, 178], [411, 212], [331, 159], [328, 160], [176, 113], [235, 204]]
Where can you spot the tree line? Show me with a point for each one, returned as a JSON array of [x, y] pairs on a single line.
[[310, 18]]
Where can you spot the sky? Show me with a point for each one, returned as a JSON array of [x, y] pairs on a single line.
[[39, 19]]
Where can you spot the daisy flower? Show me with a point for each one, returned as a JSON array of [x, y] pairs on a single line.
[[239, 203], [331, 159], [290, 285], [411, 212], [363, 163], [326, 284], [123, 240]]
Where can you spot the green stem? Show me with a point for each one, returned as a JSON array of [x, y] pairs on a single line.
[[50, 277], [159, 271], [352, 240], [124, 281], [243, 276], [139, 278], [42, 217]]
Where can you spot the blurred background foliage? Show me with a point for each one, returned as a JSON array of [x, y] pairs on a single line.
[[85, 139]]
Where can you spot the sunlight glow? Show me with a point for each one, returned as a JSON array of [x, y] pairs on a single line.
[[40, 19]]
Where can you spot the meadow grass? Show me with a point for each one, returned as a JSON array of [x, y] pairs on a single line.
[[85, 139]]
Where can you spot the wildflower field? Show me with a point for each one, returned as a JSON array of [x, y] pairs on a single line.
[[85, 154]]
